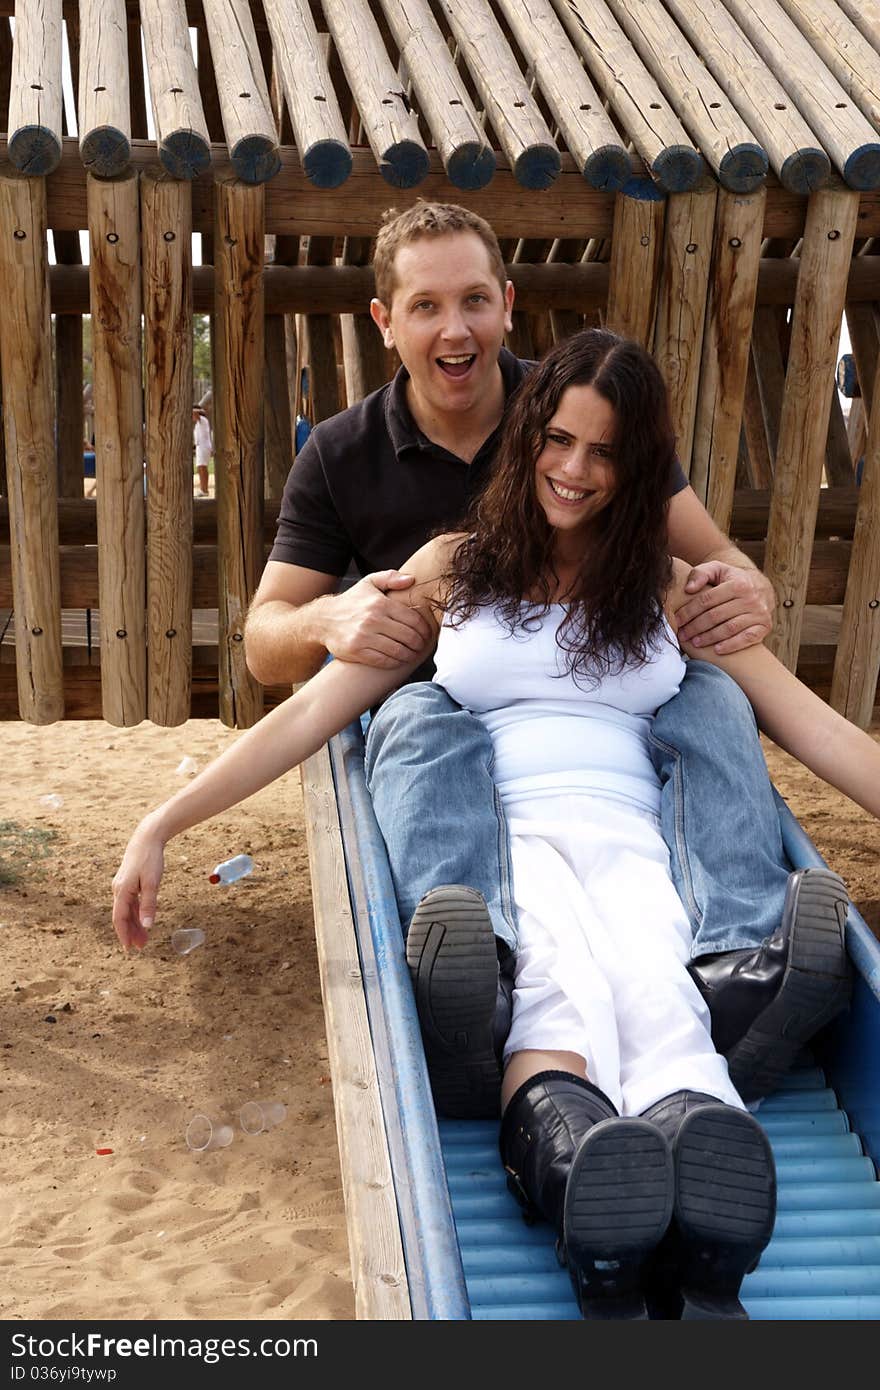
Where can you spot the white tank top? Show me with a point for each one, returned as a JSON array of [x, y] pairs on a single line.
[[550, 735]]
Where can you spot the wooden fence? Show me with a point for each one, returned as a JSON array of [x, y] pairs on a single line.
[[728, 221]]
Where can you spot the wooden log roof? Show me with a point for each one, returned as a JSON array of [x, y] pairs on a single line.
[[732, 88]]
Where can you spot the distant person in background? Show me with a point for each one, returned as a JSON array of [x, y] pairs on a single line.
[[203, 444]]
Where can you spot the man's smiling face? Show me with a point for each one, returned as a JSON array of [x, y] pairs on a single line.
[[447, 320]]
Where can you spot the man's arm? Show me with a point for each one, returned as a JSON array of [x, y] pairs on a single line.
[[296, 618], [730, 604]]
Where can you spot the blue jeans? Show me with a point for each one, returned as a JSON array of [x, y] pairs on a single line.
[[429, 773]]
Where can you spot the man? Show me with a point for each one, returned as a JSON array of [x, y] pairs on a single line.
[[370, 485]]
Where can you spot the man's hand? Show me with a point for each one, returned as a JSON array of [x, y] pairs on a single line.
[[729, 608], [369, 625], [136, 887]]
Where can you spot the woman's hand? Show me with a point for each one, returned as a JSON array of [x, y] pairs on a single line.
[[136, 886]]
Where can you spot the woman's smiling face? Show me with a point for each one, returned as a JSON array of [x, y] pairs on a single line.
[[575, 474]]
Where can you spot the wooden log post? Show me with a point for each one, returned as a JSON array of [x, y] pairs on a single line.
[[865, 14], [365, 358], [238, 433], [115, 271], [856, 430], [857, 661], [35, 97], [754, 448], [846, 135], [444, 101], [390, 126], [166, 221], [840, 44], [701, 105], [278, 422], [26, 368], [681, 307], [809, 382], [636, 259], [838, 459], [179, 120], [320, 344], [318, 127], [739, 221], [576, 106], [104, 108], [863, 324], [248, 123], [795, 155], [504, 92], [633, 96], [769, 371]]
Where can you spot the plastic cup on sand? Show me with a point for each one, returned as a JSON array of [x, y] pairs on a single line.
[[186, 939], [204, 1133], [255, 1116]]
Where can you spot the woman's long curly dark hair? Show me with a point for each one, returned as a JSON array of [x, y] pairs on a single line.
[[615, 603]]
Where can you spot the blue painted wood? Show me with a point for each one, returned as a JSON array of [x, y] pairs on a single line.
[[405, 164], [678, 168], [34, 150], [805, 170], [471, 166], [538, 166], [744, 168], [608, 168], [105, 151], [185, 154], [255, 159], [433, 1263], [862, 168], [327, 163]]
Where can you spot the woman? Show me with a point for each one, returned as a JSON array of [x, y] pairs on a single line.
[[620, 1125]]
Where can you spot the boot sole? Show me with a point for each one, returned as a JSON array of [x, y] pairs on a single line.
[[815, 988], [453, 963], [618, 1205], [725, 1207]]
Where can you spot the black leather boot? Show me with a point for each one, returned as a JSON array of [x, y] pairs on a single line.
[[604, 1182], [725, 1206], [464, 1000], [767, 1003]]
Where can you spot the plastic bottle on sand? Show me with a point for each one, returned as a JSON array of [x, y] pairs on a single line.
[[231, 869]]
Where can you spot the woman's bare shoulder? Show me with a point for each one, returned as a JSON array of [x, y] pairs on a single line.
[[429, 565]]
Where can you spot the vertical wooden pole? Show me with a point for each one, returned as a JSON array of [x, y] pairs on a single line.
[[278, 422], [365, 359], [636, 253], [838, 459], [681, 308], [857, 660], [733, 284], [769, 370], [238, 433], [803, 429], [166, 216], [115, 281], [321, 345], [759, 462], [26, 367]]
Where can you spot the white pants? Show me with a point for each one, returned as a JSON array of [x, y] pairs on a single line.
[[604, 943]]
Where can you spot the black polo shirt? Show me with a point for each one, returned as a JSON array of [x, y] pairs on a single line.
[[369, 487]]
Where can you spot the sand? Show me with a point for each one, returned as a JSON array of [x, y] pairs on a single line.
[[138, 1044]]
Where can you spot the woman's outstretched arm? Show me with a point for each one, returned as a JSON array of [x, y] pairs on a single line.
[[800, 722], [284, 738]]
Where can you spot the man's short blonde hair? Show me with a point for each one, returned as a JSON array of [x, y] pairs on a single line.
[[428, 220]]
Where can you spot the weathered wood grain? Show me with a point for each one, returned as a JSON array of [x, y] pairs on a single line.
[[115, 273], [104, 110]]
